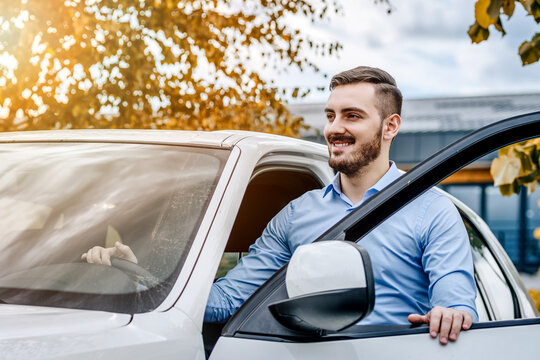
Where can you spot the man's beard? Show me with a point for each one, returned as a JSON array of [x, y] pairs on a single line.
[[358, 159]]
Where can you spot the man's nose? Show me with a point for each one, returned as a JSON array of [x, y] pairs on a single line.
[[337, 125]]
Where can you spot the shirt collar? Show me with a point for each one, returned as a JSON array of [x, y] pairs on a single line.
[[392, 174]]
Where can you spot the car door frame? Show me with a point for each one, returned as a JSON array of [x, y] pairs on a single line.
[[361, 221]]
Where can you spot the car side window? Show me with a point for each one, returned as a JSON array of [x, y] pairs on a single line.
[[270, 190], [490, 280]]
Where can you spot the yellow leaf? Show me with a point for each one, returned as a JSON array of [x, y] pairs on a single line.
[[504, 170], [535, 295], [525, 154], [537, 233], [76, 111], [484, 14], [478, 33], [504, 151], [529, 53], [509, 189], [527, 4], [498, 25], [508, 7], [535, 10], [531, 187]]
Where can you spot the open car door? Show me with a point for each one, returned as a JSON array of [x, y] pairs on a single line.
[[253, 332]]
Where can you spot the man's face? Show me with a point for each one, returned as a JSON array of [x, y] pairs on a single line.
[[354, 127]]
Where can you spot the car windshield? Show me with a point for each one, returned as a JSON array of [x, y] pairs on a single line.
[[57, 200]]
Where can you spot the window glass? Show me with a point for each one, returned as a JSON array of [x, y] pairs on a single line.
[[533, 222], [502, 217], [491, 283], [228, 261], [469, 194], [60, 200]]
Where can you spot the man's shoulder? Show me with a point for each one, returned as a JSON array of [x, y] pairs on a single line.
[[433, 195], [308, 196], [433, 201]]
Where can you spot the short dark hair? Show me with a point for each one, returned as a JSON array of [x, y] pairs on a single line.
[[389, 98]]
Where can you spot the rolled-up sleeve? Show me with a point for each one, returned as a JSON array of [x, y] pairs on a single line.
[[447, 258], [267, 255]]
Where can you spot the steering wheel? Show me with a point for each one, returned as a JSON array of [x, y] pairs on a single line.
[[138, 272]]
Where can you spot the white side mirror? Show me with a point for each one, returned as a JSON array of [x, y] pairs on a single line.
[[330, 287]]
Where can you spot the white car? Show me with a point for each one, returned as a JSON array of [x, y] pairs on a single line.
[[186, 202]]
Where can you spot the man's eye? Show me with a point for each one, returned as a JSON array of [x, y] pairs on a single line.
[[330, 117], [353, 116]]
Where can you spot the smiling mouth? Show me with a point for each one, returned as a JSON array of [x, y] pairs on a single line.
[[340, 141]]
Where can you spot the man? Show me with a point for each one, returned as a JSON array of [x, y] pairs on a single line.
[[421, 257]]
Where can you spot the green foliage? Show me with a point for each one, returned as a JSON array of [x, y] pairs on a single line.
[[488, 13], [164, 64]]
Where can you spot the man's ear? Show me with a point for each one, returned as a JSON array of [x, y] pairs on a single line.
[[391, 127]]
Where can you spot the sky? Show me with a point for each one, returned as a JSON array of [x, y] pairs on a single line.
[[424, 44]]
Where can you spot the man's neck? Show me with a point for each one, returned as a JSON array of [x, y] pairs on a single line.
[[355, 186]]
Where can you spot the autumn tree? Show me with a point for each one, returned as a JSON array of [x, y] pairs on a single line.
[[517, 164], [488, 14], [163, 64]]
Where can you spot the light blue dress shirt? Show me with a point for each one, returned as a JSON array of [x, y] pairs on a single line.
[[421, 255]]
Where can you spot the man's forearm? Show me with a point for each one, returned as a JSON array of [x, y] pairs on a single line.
[[218, 308]]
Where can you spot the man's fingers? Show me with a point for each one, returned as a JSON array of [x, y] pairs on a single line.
[[105, 257], [456, 326], [93, 256], [418, 319], [101, 255], [124, 252], [435, 322], [446, 324], [97, 255], [467, 321]]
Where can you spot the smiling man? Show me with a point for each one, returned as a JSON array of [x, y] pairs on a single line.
[[425, 249], [421, 257]]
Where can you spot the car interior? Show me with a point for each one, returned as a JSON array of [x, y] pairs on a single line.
[[270, 189]]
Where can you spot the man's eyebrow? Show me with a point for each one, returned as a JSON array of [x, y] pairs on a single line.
[[351, 109]]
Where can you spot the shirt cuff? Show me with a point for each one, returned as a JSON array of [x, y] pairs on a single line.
[[467, 309]]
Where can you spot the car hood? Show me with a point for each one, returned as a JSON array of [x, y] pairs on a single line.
[[24, 322]]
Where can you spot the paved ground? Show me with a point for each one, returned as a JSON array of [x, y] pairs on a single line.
[[531, 281]]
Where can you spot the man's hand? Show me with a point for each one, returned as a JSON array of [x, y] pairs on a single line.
[[446, 321], [101, 255]]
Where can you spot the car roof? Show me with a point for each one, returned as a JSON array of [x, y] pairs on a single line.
[[221, 139]]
